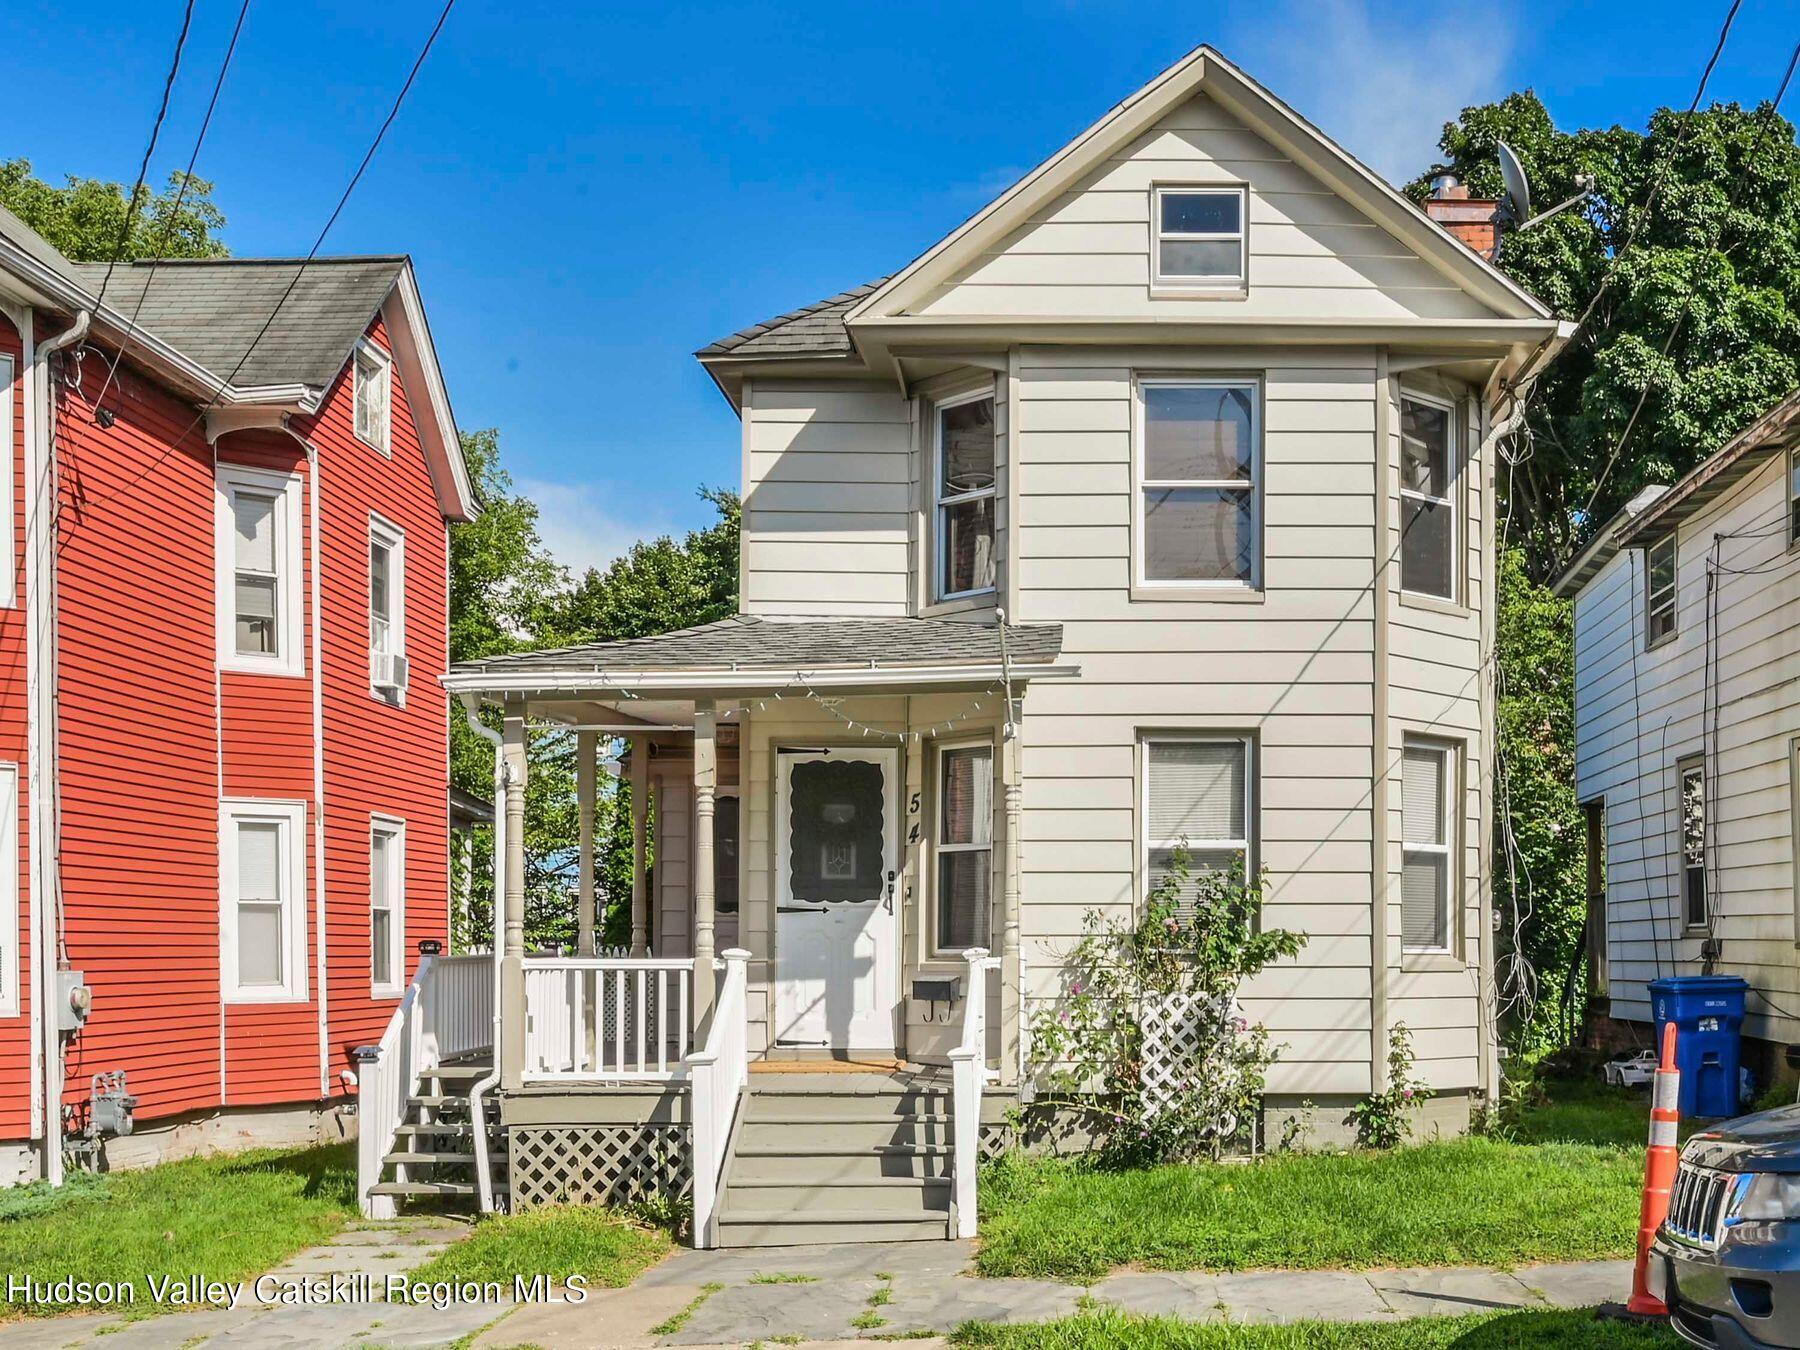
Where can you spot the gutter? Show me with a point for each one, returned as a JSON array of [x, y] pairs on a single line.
[[484, 1166], [577, 682]]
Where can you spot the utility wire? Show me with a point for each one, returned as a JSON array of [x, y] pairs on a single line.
[[162, 111], [187, 180]]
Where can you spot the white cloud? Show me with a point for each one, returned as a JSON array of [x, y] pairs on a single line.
[[581, 525], [1382, 84]]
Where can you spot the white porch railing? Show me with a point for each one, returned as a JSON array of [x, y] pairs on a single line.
[[969, 1072], [590, 1018], [447, 1011], [720, 1071]]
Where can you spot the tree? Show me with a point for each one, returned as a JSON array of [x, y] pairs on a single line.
[[1698, 319], [84, 217]]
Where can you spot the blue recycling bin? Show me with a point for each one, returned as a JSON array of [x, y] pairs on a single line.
[[1708, 1013]]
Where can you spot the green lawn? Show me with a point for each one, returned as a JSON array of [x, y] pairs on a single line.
[[1499, 1331], [1565, 1186], [606, 1248], [224, 1218]]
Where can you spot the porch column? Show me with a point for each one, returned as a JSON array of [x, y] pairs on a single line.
[[706, 782], [512, 961], [640, 807], [584, 862], [1012, 997]]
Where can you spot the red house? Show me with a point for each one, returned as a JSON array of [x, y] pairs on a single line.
[[223, 748]]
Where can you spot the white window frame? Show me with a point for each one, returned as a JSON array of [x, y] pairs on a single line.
[[290, 816], [941, 751], [1179, 284], [1793, 496], [289, 657], [395, 829], [1450, 779], [1140, 536], [1453, 481], [1671, 541], [942, 502], [391, 537], [1793, 826], [1693, 766], [377, 364], [12, 963], [1148, 843], [9, 579]]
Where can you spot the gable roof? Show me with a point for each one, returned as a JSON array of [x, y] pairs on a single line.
[[1205, 70]]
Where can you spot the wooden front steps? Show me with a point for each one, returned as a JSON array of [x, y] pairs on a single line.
[[434, 1154]]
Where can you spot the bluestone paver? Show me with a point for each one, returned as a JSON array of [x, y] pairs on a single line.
[[1191, 1295], [1578, 1284], [1450, 1292], [1300, 1295]]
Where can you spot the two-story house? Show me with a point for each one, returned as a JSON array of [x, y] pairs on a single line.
[[1687, 726], [223, 758], [1152, 507]]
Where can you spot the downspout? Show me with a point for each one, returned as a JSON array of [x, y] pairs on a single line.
[[41, 660], [484, 1167], [313, 488]]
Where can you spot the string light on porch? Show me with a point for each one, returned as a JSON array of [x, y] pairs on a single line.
[[902, 737]]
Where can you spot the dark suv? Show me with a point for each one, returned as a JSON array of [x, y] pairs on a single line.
[[1727, 1259]]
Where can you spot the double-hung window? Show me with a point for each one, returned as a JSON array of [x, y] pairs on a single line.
[[1200, 238], [1428, 834], [965, 497], [1692, 805], [257, 539], [965, 846], [387, 906], [262, 884], [1198, 463], [1427, 498], [387, 607], [11, 967], [1793, 490], [1198, 797], [373, 375], [1659, 590]]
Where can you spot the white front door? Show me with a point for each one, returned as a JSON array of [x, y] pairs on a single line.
[[837, 857]]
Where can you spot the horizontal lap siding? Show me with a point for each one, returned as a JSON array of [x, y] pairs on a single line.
[[15, 1032], [1639, 713], [1087, 252]]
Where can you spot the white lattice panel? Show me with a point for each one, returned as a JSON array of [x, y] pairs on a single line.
[[1181, 1032], [597, 1164]]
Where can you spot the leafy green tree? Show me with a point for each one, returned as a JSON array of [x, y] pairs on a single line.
[[84, 217]]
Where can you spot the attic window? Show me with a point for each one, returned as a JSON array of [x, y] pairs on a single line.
[[372, 381], [1200, 238]]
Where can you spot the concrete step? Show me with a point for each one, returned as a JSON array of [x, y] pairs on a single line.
[[864, 1166], [748, 1228], [889, 1197]]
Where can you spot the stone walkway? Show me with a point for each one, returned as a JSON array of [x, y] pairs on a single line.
[[841, 1295]]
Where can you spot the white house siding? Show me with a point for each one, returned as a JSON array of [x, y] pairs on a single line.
[[1638, 713], [1311, 253]]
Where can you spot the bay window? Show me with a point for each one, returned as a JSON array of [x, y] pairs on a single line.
[[1427, 798], [966, 490], [1197, 464], [1197, 794], [965, 846], [1427, 499]]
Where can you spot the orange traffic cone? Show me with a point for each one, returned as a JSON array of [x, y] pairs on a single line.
[[1659, 1173]]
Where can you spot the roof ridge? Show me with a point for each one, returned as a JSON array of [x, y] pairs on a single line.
[[271, 261]]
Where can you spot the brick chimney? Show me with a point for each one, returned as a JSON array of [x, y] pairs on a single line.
[[1473, 220]]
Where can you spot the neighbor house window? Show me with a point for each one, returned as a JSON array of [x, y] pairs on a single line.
[[11, 967], [1793, 481], [1197, 464], [373, 380], [965, 497], [1197, 797], [965, 846], [1793, 826], [1427, 782], [1599, 954], [1199, 238], [1427, 506], [258, 546], [1693, 842], [387, 607], [262, 919], [387, 906], [1659, 591]]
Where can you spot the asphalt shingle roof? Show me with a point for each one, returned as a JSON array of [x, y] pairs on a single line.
[[750, 642], [212, 310], [816, 330]]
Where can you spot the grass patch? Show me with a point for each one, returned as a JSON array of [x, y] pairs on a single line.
[[1563, 1187], [670, 1325], [229, 1217], [782, 1277], [600, 1245], [1499, 1331]]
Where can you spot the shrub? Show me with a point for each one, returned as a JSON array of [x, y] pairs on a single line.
[[1381, 1119]]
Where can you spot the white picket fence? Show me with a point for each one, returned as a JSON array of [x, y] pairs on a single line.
[[969, 1073], [606, 1019], [720, 1072], [446, 1012]]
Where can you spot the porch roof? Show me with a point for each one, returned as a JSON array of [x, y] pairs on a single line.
[[756, 652]]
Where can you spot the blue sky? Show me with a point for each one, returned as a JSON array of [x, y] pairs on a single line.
[[590, 193]]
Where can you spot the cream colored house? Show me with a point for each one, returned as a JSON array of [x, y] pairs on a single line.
[[1204, 411], [1687, 724]]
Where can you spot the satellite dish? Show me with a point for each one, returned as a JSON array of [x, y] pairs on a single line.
[[1512, 173]]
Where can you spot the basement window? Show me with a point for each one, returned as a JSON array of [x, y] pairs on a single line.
[[1659, 591], [1200, 238], [262, 919]]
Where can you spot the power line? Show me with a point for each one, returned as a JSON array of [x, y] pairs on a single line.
[[187, 180], [162, 111]]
